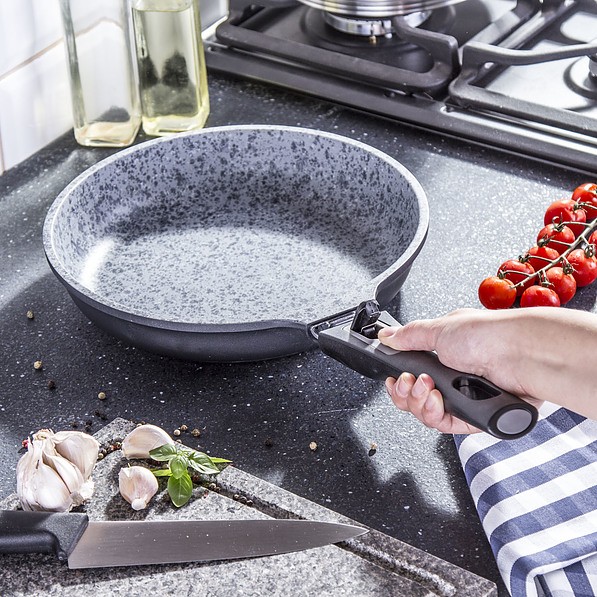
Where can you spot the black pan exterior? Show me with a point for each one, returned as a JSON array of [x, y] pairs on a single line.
[[224, 244], [225, 343]]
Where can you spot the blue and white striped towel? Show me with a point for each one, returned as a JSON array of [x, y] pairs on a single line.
[[537, 499]]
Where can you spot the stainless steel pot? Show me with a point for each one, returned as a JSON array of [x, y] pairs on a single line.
[[376, 9]]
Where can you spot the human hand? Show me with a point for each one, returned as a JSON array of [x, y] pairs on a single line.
[[514, 349]]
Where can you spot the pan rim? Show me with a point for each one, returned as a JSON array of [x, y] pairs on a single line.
[[130, 315]]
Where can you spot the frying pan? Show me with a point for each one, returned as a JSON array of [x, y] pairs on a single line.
[[246, 243], [224, 244]]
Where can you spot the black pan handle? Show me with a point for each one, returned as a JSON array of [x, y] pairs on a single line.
[[468, 397]]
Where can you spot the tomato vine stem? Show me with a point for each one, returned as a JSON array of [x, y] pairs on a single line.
[[581, 241]]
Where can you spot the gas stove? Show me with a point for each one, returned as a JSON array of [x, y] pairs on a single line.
[[520, 76]]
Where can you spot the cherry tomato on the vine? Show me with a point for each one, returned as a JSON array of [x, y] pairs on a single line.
[[563, 259], [585, 266], [556, 236], [566, 211], [539, 296], [517, 271], [497, 293], [562, 283], [587, 195], [539, 257]]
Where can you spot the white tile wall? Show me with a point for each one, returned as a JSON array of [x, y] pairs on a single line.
[[35, 103], [27, 27], [34, 109]]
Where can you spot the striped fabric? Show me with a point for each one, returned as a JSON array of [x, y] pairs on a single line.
[[537, 499]]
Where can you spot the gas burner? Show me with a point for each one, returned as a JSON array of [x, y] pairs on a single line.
[[376, 9], [387, 41], [372, 27], [581, 77]]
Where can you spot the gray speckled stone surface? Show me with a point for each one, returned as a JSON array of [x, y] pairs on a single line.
[[237, 224], [371, 565]]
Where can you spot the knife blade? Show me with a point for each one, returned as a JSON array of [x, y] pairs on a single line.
[[72, 537]]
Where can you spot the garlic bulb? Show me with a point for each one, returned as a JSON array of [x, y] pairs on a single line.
[[141, 440], [55, 473], [137, 486]]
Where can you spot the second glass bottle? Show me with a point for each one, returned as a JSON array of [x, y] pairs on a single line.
[[172, 73]]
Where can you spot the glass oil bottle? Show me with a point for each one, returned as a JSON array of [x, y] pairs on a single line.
[[102, 69], [171, 64]]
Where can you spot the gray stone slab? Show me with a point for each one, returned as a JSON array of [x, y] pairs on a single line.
[[374, 564]]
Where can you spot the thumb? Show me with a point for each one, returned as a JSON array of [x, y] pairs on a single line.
[[416, 335]]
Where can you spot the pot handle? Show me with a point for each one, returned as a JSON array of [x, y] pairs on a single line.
[[468, 397]]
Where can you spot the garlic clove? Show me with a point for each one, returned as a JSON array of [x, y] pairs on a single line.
[[26, 468], [39, 486], [71, 476], [79, 448], [137, 486], [141, 440], [51, 493]]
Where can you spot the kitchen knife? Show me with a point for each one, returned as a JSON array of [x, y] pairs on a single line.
[[97, 544], [468, 397]]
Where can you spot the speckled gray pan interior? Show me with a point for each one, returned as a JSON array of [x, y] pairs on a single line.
[[234, 230]]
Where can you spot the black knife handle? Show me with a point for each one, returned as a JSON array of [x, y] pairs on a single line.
[[468, 397], [41, 532]]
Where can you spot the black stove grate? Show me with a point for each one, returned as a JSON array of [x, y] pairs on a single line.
[[482, 62], [446, 74], [431, 70]]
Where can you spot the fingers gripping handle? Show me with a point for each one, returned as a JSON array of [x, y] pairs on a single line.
[[468, 397]]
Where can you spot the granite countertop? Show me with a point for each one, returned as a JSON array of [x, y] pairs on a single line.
[[369, 565], [485, 207]]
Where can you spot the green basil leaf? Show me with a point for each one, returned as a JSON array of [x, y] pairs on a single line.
[[164, 453], [219, 460], [202, 463], [204, 470], [179, 465], [180, 489], [161, 472], [199, 457]]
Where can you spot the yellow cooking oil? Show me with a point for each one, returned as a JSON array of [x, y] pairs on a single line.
[[171, 64]]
